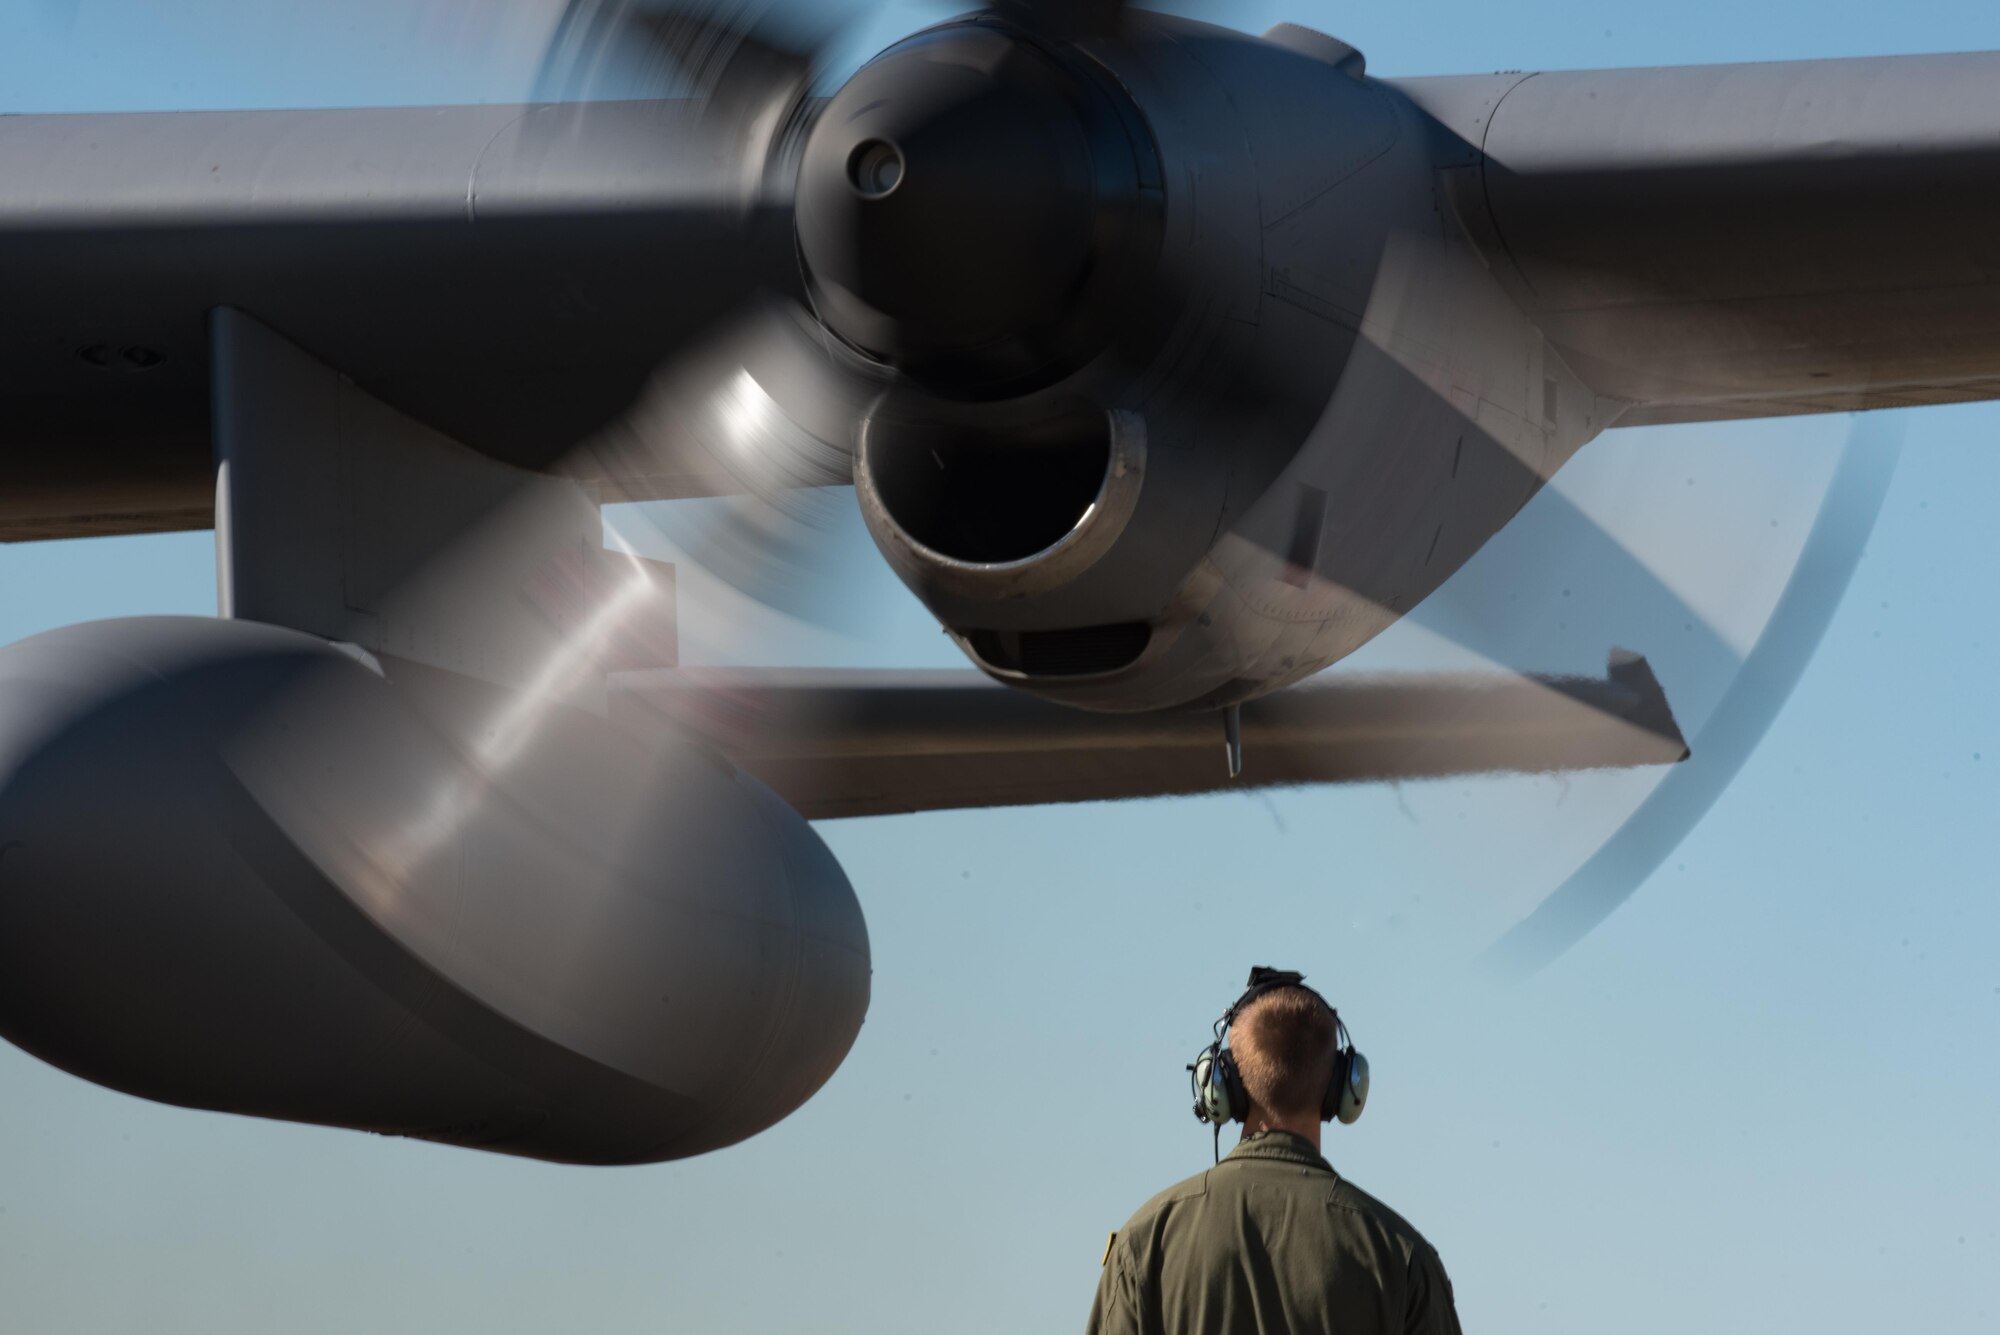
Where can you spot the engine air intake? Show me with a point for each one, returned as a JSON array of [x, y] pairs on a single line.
[[988, 496]]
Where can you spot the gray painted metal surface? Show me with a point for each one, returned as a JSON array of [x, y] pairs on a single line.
[[1747, 240], [868, 743], [339, 516], [1709, 241], [490, 271], [1401, 405], [247, 871]]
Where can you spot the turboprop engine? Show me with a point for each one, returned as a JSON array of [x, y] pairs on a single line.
[[1091, 384], [241, 869], [1166, 377]]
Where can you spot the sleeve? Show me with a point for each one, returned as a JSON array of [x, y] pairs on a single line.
[[1432, 1310], [1116, 1308]]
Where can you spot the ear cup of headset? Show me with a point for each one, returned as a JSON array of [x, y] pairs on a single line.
[[1347, 1091], [1336, 1086], [1352, 1071], [1235, 1097], [1211, 1090]]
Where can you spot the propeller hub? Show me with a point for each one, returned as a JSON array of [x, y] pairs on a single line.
[[968, 203]]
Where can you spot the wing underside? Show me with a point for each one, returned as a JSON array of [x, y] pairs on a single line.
[[1727, 241], [1697, 243], [512, 276]]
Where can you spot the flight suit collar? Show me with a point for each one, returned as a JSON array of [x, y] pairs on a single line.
[[1281, 1145]]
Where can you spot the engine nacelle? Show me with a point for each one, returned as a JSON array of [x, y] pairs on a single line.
[[1106, 499], [242, 869]]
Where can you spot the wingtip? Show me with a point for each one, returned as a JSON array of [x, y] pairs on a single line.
[[1629, 668]]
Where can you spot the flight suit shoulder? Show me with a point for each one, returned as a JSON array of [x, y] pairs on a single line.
[[1347, 1196], [1187, 1189], [1133, 1256], [1386, 1225], [1141, 1234], [1424, 1271]]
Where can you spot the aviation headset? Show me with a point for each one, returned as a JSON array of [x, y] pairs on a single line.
[[1219, 1097]]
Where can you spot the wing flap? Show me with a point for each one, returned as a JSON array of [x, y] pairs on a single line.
[[869, 743]]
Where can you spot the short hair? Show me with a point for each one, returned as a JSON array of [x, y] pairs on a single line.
[[1283, 1042]]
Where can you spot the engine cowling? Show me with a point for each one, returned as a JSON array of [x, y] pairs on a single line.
[[1146, 258], [241, 869]]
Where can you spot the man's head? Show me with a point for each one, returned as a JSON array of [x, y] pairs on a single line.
[[1284, 1042]]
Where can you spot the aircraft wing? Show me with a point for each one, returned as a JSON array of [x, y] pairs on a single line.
[[1745, 240], [1698, 242], [870, 743], [505, 274]]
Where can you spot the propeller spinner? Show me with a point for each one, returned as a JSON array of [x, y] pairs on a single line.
[[977, 208]]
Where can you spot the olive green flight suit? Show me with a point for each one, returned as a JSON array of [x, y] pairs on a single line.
[[1270, 1241]]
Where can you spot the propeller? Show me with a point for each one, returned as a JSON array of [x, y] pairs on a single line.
[[976, 251], [1037, 187], [976, 216], [1762, 683], [1736, 694], [749, 68]]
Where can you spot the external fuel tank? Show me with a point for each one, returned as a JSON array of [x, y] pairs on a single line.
[[242, 868]]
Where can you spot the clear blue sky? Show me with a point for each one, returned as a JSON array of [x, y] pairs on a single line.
[[1761, 1098]]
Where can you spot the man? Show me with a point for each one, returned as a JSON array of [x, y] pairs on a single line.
[[1272, 1240]]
